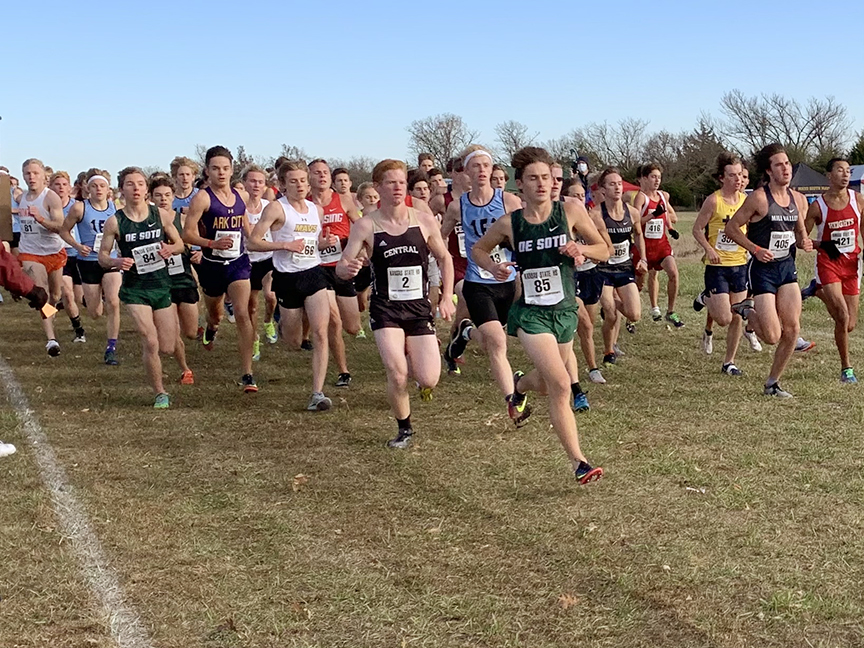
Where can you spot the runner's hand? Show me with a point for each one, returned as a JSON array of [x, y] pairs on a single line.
[[330, 239], [223, 243], [674, 234], [642, 267], [165, 251], [502, 271], [763, 256], [446, 306], [125, 263], [85, 250], [37, 297], [807, 246], [352, 267], [196, 257], [712, 256], [574, 251], [296, 245]]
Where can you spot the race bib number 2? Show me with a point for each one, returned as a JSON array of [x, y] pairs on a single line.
[[542, 286], [405, 283]]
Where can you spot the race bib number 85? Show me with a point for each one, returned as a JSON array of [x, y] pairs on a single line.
[[542, 286]]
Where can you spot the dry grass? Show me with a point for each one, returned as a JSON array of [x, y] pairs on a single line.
[[726, 519]]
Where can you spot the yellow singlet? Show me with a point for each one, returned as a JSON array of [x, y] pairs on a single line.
[[731, 254]]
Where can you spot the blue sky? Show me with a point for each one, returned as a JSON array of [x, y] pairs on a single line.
[[112, 84]]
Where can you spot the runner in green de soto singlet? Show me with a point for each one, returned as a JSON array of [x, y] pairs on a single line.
[[147, 282]]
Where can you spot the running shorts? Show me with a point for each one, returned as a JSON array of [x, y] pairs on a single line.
[[71, 270], [51, 262], [155, 298], [185, 295], [292, 288], [91, 272], [488, 302], [342, 287], [589, 286], [725, 279], [215, 277], [846, 271], [768, 277], [259, 271], [536, 320]]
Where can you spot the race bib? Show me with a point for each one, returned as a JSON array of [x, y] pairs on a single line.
[[620, 252], [147, 258], [234, 251], [724, 243], [542, 286], [175, 264], [28, 224], [460, 235], [844, 240], [333, 253], [654, 228], [498, 256], [309, 247], [97, 243], [781, 243], [405, 284]]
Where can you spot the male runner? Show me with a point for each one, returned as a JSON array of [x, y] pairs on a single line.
[[542, 237], [499, 177], [725, 261], [146, 238], [342, 183], [397, 239], [619, 296], [255, 184], [425, 162], [487, 299], [657, 217], [41, 250], [294, 224], [437, 186], [101, 286], [368, 198], [219, 213], [339, 214], [774, 216], [72, 291], [837, 217], [183, 171]]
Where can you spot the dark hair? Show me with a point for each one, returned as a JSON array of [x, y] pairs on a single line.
[[424, 156], [763, 159], [498, 167], [433, 172], [319, 161], [829, 167], [455, 164], [416, 175], [130, 170], [645, 170], [340, 170], [217, 151], [724, 160], [159, 180], [280, 161], [601, 179], [527, 156]]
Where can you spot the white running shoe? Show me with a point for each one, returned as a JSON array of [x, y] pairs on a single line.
[[707, 342], [596, 377], [6, 449], [656, 315], [53, 348], [755, 344]]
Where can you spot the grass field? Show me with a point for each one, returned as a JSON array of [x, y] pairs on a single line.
[[725, 519]]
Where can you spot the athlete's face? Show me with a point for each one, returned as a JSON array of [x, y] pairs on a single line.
[[536, 182], [393, 187], [184, 178], [498, 180], [577, 191], [745, 179], [613, 187], [731, 179], [219, 172], [98, 189], [34, 176], [781, 168], [421, 191], [134, 188], [296, 185], [255, 184], [342, 184], [839, 175], [320, 176], [557, 181], [62, 188], [369, 199], [426, 166], [653, 180], [163, 197], [479, 170]]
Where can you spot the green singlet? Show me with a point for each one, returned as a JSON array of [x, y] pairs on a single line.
[[179, 265], [147, 281]]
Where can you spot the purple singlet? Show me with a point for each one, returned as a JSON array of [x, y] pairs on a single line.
[[219, 222]]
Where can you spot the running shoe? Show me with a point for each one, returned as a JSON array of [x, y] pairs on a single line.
[[699, 302], [163, 401], [609, 359], [200, 334], [111, 357], [707, 342], [270, 332], [742, 308], [188, 378], [580, 402], [776, 390], [585, 473], [343, 380], [256, 350], [306, 345], [361, 334], [402, 440], [618, 351], [731, 370], [319, 403], [755, 344], [803, 346], [675, 319], [208, 338], [517, 403], [229, 311], [656, 315], [53, 348], [630, 326], [248, 383], [80, 337], [809, 290], [847, 376], [7, 449], [425, 394], [459, 340], [452, 368], [596, 377]]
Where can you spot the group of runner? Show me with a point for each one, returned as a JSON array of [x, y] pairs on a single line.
[[539, 266]]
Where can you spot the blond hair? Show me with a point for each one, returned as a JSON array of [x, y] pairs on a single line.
[[181, 161], [59, 174], [290, 165], [254, 168]]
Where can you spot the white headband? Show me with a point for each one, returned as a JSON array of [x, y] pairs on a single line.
[[98, 177], [475, 154]]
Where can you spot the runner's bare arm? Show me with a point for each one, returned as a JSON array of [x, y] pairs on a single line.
[[349, 207], [71, 220], [325, 238], [802, 238], [429, 226], [436, 205], [197, 206], [754, 208], [109, 235], [54, 208], [511, 203], [638, 239], [272, 218], [813, 218], [597, 217], [701, 223], [581, 225], [452, 217], [359, 240], [176, 245], [673, 217], [500, 232]]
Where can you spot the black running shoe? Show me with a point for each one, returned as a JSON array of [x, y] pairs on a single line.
[[731, 370], [306, 345], [585, 473], [111, 357], [459, 341], [452, 368], [343, 380], [809, 290], [248, 383], [699, 302], [401, 440], [609, 359], [742, 308]]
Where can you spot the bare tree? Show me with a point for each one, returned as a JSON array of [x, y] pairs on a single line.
[[200, 154], [665, 149], [444, 136], [292, 152], [817, 128], [359, 168], [621, 145], [512, 136]]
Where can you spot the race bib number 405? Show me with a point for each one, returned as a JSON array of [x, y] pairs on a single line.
[[147, 258], [405, 284], [781, 243], [542, 286]]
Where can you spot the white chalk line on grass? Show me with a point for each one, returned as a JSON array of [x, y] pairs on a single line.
[[125, 624]]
